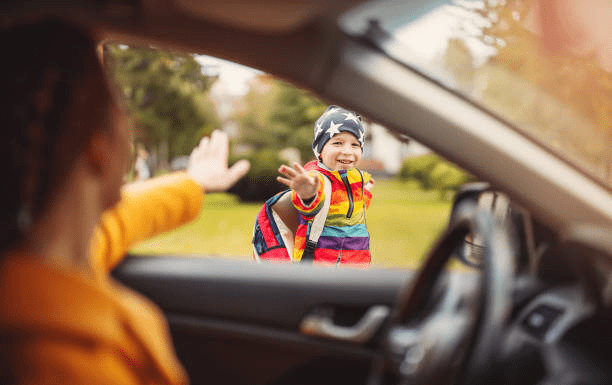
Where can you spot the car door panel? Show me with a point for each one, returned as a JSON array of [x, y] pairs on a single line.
[[238, 322]]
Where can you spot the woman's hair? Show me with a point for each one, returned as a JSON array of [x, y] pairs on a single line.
[[53, 98]]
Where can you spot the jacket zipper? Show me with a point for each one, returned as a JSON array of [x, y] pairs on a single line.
[[350, 194]]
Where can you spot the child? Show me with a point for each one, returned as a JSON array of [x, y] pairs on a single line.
[[338, 146]]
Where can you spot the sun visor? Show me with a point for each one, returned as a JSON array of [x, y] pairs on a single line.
[[262, 15]]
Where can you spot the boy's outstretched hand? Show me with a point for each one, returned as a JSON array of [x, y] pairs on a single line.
[[299, 181], [208, 164]]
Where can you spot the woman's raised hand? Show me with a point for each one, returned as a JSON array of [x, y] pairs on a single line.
[[208, 164]]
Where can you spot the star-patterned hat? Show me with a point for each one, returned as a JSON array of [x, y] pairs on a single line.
[[334, 121]]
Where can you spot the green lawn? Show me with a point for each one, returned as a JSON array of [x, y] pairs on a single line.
[[403, 222]]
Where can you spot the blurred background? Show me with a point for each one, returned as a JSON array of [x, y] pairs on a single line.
[[176, 99]]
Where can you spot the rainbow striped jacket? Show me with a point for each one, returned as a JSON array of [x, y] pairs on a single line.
[[345, 238]]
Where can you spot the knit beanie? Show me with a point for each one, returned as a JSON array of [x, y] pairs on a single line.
[[334, 121]]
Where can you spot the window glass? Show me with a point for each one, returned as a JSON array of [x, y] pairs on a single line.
[[175, 99], [491, 53]]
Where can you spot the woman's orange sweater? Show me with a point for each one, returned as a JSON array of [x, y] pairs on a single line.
[[64, 327]]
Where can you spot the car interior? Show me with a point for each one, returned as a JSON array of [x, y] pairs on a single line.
[[531, 303]]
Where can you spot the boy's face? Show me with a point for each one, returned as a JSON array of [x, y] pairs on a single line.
[[341, 152]]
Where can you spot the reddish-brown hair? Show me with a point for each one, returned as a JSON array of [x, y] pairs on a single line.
[[53, 98]]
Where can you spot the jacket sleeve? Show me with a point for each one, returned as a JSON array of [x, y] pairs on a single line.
[[146, 209], [312, 208], [368, 184]]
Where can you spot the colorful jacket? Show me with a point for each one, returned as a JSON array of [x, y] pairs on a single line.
[[345, 238], [65, 327]]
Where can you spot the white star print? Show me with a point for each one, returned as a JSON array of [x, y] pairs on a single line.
[[351, 116], [333, 129], [361, 138], [318, 129]]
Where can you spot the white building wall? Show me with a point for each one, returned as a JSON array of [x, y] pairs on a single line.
[[386, 148], [390, 151]]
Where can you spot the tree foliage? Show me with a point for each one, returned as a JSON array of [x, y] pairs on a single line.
[[548, 94], [276, 116], [260, 183], [434, 173], [166, 94]]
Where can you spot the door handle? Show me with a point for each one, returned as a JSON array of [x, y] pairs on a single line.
[[323, 326]]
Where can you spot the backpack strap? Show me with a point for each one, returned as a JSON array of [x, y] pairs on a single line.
[[318, 223], [274, 228]]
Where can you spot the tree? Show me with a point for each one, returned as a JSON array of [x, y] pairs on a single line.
[[434, 173], [279, 115], [276, 116], [546, 94], [166, 94], [295, 113]]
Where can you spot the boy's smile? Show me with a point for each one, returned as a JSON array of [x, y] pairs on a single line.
[[341, 152]]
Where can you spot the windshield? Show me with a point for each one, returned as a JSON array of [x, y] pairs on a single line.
[[489, 51]]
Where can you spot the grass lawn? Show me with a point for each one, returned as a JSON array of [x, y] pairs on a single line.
[[403, 221]]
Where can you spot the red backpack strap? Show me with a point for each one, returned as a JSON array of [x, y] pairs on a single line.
[[267, 241]]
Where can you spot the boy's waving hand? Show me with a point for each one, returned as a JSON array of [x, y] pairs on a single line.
[[299, 181]]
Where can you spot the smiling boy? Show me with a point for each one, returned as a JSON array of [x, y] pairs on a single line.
[[338, 146]]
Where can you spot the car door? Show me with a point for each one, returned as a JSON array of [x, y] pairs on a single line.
[[236, 322]]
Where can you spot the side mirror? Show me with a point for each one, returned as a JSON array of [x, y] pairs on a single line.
[[471, 250]]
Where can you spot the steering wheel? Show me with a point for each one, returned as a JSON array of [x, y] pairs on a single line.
[[459, 338]]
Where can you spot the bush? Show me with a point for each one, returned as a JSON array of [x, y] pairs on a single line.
[[260, 183], [434, 173], [419, 169]]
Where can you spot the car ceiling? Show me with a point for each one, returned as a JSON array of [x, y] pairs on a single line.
[[268, 16], [263, 15], [214, 27]]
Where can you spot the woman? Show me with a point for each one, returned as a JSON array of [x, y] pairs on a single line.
[[65, 221]]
